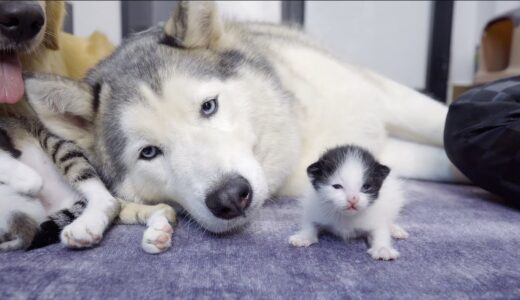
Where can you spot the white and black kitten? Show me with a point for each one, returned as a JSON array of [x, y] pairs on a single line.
[[352, 195]]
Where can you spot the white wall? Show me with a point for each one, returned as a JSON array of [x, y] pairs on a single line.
[[265, 11], [388, 37], [469, 19], [104, 16]]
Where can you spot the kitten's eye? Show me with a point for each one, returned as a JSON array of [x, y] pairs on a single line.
[[337, 186], [210, 107], [149, 153], [366, 187]]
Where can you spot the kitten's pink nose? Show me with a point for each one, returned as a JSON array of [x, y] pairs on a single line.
[[353, 200]]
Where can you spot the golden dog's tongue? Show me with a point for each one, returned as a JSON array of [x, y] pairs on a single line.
[[11, 81]]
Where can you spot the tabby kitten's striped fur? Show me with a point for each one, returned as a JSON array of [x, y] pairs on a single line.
[[42, 206]]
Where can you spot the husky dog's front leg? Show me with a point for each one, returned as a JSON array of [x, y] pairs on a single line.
[[380, 241], [158, 219]]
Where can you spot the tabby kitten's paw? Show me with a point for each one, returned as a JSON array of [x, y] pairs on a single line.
[[158, 236], [86, 231], [11, 245]]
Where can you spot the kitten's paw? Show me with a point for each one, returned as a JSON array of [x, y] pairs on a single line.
[[12, 245], [158, 236], [383, 253], [86, 231], [25, 180], [398, 232], [300, 240]]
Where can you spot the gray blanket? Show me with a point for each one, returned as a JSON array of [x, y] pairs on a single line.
[[463, 244]]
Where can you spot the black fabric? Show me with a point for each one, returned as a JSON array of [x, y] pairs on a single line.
[[482, 137]]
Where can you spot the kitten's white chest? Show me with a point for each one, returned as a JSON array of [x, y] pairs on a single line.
[[56, 193], [343, 226]]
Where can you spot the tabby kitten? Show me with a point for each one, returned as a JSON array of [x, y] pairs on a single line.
[[48, 190]]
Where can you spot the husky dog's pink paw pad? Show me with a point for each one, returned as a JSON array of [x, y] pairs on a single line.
[[158, 236]]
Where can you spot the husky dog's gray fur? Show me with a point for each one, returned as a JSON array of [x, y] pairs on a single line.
[[218, 116]]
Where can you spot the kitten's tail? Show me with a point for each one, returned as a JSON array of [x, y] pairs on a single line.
[[49, 231]]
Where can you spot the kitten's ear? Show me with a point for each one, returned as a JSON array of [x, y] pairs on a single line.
[[64, 106], [194, 24], [314, 170], [6, 144], [383, 171]]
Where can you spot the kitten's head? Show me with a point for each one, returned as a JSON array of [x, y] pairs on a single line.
[[348, 177]]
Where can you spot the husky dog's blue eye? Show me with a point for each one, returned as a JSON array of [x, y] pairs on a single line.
[[337, 186], [149, 153], [209, 107]]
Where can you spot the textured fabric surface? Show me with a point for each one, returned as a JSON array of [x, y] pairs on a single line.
[[482, 136], [463, 244]]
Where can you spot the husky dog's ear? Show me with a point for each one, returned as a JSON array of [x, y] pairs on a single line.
[[54, 13], [65, 106], [194, 24]]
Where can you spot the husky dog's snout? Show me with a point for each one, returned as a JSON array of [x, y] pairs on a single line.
[[230, 197], [20, 21]]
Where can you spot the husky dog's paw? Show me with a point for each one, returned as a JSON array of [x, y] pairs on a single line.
[[300, 240], [86, 231], [167, 211], [158, 236], [383, 253], [398, 232], [25, 180]]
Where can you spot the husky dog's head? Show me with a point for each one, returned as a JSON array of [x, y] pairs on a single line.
[[172, 115]]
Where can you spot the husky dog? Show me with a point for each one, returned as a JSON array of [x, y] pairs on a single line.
[[218, 116]]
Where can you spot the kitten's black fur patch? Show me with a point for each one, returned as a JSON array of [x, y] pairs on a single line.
[[23, 227], [320, 171], [48, 234], [7, 145]]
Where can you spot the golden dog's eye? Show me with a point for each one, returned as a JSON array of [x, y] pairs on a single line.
[[209, 107]]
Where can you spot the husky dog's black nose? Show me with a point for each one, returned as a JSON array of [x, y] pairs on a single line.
[[230, 198], [20, 21]]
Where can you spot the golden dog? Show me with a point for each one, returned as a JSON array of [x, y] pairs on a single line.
[[31, 40]]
